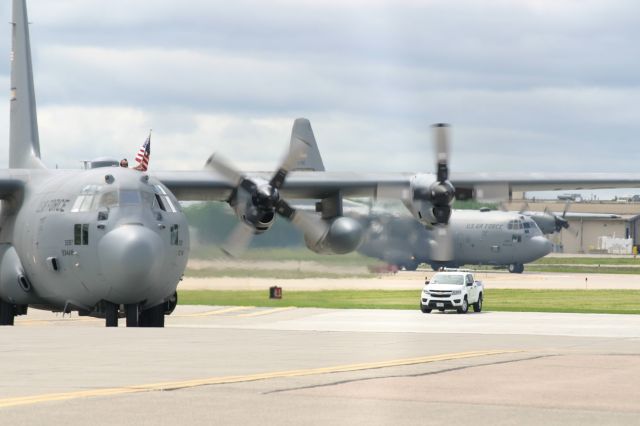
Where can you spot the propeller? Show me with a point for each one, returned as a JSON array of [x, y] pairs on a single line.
[[440, 193], [560, 221], [262, 199]]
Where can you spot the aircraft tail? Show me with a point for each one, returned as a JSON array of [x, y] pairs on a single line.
[[312, 161], [24, 142]]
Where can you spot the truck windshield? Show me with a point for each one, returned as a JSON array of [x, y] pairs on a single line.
[[447, 279]]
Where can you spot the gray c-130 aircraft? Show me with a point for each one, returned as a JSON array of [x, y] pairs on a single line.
[[479, 237], [111, 242]]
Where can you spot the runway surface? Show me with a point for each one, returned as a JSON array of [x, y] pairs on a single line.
[[245, 365]]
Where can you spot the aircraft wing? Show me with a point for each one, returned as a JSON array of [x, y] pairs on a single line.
[[208, 185], [545, 181]]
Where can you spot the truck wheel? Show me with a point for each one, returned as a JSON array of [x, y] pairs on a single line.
[[477, 307], [465, 306], [424, 309]]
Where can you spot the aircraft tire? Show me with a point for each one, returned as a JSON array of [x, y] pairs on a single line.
[[411, 266], [153, 317], [477, 307], [516, 268], [7, 313], [111, 314], [465, 306], [424, 309], [132, 312]]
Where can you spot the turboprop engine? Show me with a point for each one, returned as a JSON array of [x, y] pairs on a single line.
[[431, 200], [254, 205], [257, 201]]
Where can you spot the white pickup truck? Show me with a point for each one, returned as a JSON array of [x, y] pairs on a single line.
[[452, 289]]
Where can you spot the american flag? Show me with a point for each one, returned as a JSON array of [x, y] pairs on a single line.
[[143, 155]]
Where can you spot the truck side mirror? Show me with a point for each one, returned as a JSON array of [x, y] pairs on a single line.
[[469, 284]]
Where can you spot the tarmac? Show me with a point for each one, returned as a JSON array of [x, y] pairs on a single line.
[[289, 366]]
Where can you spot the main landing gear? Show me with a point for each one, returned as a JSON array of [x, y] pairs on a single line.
[[135, 316], [516, 268], [9, 311]]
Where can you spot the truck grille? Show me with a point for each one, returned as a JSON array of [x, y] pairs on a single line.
[[442, 294]]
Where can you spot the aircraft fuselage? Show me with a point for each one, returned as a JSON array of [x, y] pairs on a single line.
[[80, 237], [491, 238]]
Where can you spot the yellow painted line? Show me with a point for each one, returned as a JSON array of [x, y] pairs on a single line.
[[216, 312], [266, 312], [65, 396]]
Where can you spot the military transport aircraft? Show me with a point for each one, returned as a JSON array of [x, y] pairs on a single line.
[[479, 238], [111, 241]]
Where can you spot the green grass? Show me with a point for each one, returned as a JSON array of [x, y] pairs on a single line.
[[514, 300], [576, 269], [617, 261]]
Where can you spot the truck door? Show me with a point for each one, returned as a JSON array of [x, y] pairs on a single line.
[[472, 292]]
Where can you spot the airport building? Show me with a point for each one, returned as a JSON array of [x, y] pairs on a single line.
[[592, 234]]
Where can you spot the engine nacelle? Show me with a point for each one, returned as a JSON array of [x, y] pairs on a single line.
[[431, 200], [344, 236], [246, 210], [15, 287]]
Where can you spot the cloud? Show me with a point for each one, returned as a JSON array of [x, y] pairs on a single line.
[[531, 85]]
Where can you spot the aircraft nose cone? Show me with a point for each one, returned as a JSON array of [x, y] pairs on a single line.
[[130, 256], [543, 246]]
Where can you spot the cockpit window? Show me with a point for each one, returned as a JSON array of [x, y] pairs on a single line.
[[86, 200], [515, 224], [108, 199], [128, 197], [163, 200]]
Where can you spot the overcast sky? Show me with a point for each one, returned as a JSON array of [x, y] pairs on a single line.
[[531, 85]]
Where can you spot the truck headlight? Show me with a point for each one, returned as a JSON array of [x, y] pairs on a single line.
[[426, 292], [456, 292]]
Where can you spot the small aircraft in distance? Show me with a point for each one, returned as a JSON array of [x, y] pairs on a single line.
[[113, 242]]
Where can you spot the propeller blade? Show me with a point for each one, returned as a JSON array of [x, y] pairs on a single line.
[[219, 164], [312, 226], [441, 244], [239, 240], [300, 145], [441, 136]]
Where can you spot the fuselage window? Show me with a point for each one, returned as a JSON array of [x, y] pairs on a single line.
[[174, 235], [81, 234]]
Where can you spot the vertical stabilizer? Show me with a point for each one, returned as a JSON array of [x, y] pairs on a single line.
[[312, 161], [24, 143]]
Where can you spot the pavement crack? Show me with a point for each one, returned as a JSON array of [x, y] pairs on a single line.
[[392, 376]]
